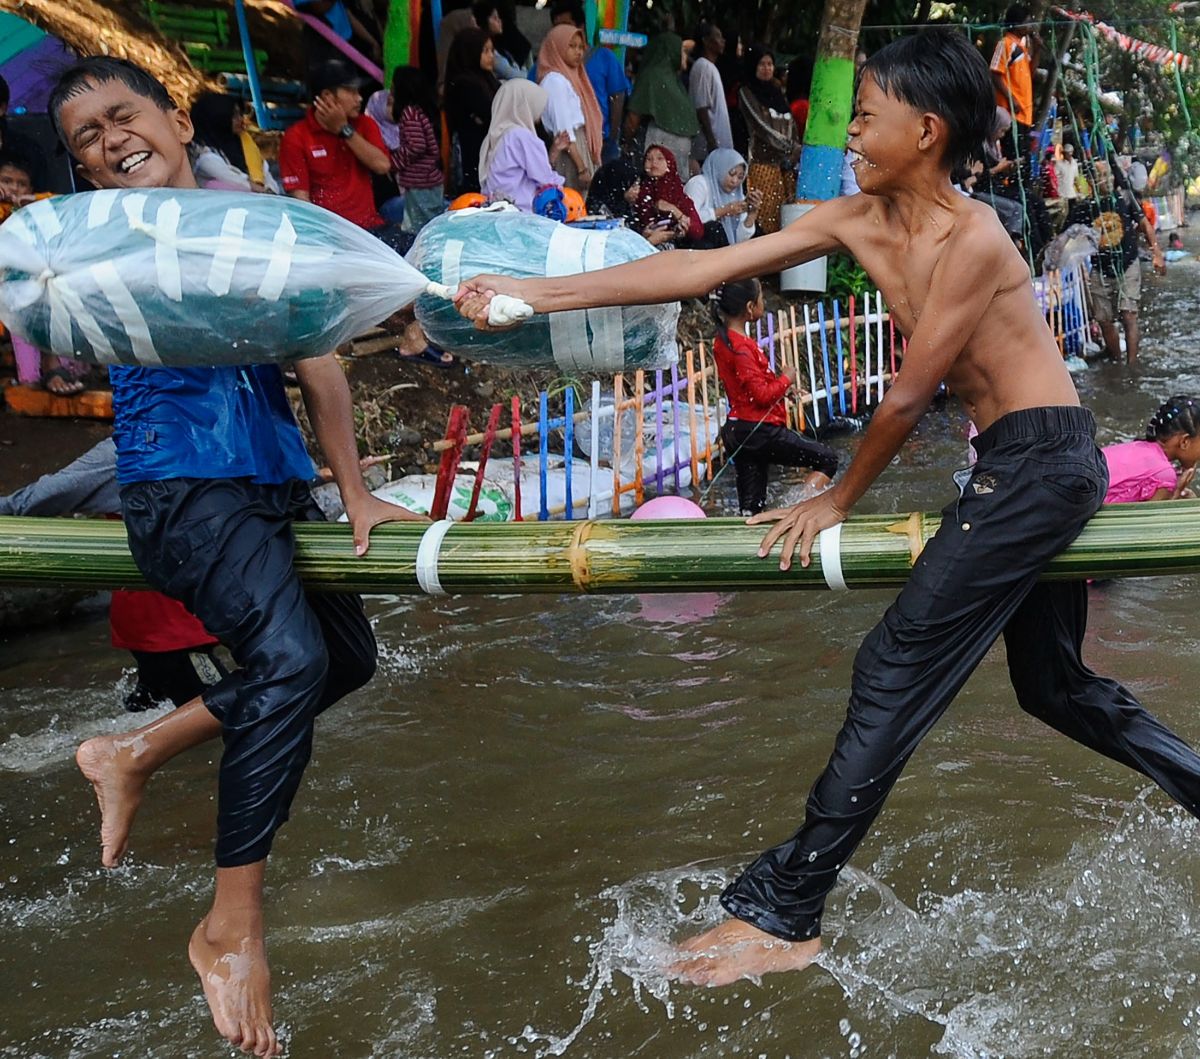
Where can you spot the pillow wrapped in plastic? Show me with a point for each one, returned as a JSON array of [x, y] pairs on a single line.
[[184, 278], [457, 246]]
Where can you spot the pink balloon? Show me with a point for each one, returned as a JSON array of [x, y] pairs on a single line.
[[669, 507]]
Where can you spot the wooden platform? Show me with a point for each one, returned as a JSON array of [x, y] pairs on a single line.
[[34, 401]]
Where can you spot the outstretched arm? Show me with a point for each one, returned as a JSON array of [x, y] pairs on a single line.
[[960, 290], [671, 275]]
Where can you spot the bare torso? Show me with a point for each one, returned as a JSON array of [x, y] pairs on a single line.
[[1011, 360]]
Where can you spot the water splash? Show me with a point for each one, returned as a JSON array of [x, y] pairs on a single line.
[[638, 944]]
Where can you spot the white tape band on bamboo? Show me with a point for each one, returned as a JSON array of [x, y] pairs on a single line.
[[831, 557], [428, 552]]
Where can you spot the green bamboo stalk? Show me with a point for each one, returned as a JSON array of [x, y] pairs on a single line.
[[1131, 540]]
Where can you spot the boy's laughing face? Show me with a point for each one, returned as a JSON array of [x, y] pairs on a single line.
[[887, 137], [124, 140]]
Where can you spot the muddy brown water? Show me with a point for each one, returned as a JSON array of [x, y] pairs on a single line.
[[497, 840]]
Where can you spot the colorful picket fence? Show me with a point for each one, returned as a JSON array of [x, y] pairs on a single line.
[[1063, 298], [660, 432]]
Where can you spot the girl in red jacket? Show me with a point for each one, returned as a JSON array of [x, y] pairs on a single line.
[[755, 433]]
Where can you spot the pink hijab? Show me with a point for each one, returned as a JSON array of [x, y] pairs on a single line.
[[553, 59]]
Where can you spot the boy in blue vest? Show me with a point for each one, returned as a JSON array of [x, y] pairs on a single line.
[[213, 472]]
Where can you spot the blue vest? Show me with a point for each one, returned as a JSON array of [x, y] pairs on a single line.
[[222, 422]]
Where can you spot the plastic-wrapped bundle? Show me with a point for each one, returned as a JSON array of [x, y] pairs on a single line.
[[462, 244], [185, 278]]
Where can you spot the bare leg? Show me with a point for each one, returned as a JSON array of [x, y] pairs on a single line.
[[1129, 323], [118, 766], [228, 951], [1112, 342], [734, 950]]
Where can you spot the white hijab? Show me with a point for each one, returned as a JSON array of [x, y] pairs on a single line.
[[717, 166], [518, 105]]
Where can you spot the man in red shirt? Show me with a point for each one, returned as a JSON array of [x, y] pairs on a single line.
[[329, 156]]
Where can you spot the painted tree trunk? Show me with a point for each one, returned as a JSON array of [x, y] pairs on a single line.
[[401, 37], [830, 101]]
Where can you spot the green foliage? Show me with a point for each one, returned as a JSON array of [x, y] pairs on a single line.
[[845, 276]]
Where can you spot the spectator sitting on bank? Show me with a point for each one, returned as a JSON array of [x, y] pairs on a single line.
[[514, 163], [224, 155], [416, 157], [57, 375], [664, 213], [707, 94], [728, 211], [328, 157], [1116, 284]]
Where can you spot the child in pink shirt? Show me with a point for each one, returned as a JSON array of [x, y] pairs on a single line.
[[1142, 470]]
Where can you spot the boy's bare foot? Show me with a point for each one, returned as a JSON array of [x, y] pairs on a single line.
[[237, 986], [109, 764], [736, 950]]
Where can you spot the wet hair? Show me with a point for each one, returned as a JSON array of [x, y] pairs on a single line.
[[411, 88], [212, 119], [731, 299], [99, 70], [942, 73], [1177, 415]]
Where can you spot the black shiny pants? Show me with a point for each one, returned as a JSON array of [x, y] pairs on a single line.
[[224, 549], [1039, 478], [753, 447]]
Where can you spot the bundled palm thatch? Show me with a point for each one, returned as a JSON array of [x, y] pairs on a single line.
[[1133, 540]]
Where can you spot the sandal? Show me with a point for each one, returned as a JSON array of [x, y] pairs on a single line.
[[62, 383], [438, 357]]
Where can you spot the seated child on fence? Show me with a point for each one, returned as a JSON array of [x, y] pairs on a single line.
[[16, 190], [1143, 470], [756, 433]]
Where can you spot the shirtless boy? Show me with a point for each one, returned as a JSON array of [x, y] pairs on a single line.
[[960, 293], [213, 472]]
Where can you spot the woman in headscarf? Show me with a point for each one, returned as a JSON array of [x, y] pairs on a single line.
[[663, 213], [614, 190], [470, 89], [659, 101], [224, 154], [514, 163], [774, 146], [729, 212], [571, 105]]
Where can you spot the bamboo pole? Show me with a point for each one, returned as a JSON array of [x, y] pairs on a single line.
[[615, 556]]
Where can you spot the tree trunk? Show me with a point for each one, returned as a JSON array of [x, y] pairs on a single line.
[[831, 101]]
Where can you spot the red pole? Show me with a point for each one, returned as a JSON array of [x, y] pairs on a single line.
[[853, 359], [456, 431], [516, 440], [489, 435]]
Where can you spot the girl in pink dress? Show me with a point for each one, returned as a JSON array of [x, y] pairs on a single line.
[[1143, 470]]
